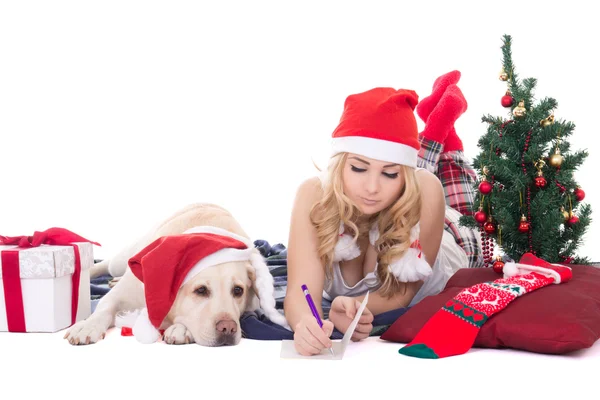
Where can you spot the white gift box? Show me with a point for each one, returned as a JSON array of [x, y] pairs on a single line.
[[46, 281]]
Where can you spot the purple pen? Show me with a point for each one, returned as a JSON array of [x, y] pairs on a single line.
[[313, 309]]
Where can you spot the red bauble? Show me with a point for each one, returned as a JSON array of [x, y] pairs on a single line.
[[579, 194], [540, 181], [573, 220], [485, 187], [523, 226], [507, 101], [480, 216], [566, 260], [489, 227], [498, 266]]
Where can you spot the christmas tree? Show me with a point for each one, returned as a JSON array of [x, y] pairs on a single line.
[[527, 199]]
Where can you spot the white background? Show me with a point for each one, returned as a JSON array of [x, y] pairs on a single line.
[[114, 114]]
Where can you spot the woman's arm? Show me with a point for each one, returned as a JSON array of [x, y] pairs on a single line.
[[303, 263]]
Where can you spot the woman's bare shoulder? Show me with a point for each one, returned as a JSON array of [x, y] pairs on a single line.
[[432, 191], [428, 181], [309, 190]]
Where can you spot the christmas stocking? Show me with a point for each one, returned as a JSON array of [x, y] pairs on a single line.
[[441, 109], [453, 329]]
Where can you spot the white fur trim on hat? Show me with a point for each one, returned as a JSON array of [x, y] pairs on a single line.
[[377, 149], [264, 287], [218, 257], [513, 269]]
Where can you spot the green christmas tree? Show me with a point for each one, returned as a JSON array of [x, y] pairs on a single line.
[[527, 199]]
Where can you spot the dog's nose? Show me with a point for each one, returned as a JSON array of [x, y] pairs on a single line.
[[226, 327]]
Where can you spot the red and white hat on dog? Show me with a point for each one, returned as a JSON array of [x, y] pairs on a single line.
[[379, 124], [170, 261]]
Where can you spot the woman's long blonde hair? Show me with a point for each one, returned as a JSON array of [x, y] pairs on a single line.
[[394, 223]]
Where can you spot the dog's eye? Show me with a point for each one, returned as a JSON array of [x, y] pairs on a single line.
[[202, 291], [238, 291]]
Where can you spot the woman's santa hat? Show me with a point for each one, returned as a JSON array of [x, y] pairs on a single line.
[[171, 261], [379, 124]]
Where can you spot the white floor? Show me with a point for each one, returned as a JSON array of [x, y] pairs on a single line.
[[37, 365]]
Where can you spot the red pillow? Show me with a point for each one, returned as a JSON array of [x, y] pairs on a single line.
[[555, 319]]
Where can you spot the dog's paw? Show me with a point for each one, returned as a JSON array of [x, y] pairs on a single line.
[[178, 334], [85, 332]]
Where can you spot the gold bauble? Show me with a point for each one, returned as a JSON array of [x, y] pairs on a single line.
[[503, 75], [547, 121], [565, 213], [556, 159], [486, 170], [520, 110], [539, 165]]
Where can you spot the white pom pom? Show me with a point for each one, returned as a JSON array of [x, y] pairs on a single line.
[[346, 249], [143, 330], [411, 267], [510, 269]]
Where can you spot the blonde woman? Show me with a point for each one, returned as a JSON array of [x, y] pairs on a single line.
[[383, 217]]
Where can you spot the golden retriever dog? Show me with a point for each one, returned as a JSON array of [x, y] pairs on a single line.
[[207, 307]]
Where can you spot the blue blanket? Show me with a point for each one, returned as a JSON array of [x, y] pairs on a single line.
[[255, 325]]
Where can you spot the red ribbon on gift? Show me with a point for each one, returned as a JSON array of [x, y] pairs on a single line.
[[11, 277]]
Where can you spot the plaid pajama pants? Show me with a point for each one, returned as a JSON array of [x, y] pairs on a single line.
[[457, 177]]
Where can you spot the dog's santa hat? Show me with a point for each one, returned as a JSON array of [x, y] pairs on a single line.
[[170, 261]]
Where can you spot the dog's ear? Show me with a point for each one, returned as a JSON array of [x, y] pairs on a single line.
[[252, 300]]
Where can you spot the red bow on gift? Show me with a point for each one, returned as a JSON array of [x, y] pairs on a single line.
[[52, 236], [11, 276]]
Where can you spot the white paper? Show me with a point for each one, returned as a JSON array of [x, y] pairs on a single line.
[[339, 347]]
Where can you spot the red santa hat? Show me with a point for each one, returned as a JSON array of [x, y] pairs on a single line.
[[379, 124], [531, 263], [170, 261]]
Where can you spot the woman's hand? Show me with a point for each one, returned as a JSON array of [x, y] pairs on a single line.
[[310, 338], [343, 310]]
